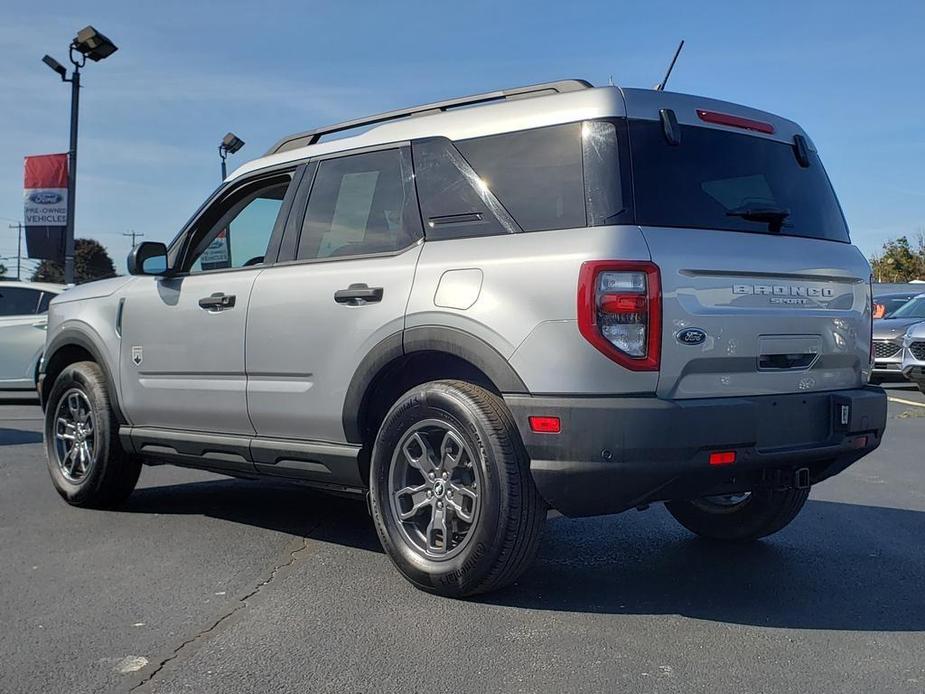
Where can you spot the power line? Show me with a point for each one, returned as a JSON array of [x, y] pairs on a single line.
[[133, 234]]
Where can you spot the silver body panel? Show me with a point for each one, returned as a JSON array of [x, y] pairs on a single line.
[[191, 374], [303, 348]]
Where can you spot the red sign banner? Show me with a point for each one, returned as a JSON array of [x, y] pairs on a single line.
[[45, 205]]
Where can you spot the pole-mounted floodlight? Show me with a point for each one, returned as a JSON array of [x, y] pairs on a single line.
[[89, 43], [56, 66], [93, 44], [231, 143]]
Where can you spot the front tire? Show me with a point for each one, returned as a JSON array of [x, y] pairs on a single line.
[[451, 493], [85, 459], [755, 515]]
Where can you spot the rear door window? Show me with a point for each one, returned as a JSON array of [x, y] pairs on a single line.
[[361, 204], [714, 179]]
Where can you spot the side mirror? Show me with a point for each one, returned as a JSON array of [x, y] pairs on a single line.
[[148, 258]]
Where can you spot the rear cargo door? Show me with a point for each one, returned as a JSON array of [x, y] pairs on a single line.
[[762, 291]]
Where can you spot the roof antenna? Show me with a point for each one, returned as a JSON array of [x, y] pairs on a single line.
[[660, 87]]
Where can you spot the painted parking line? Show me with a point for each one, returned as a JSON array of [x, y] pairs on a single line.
[[907, 402]]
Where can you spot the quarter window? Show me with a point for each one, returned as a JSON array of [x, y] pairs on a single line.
[[359, 205], [536, 174]]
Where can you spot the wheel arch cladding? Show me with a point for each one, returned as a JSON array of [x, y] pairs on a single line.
[[69, 347], [421, 354]]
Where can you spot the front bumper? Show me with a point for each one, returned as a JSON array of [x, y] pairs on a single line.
[[619, 452]]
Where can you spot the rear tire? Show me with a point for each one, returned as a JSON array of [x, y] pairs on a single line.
[[761, 513], [85, 459], [473, 525]]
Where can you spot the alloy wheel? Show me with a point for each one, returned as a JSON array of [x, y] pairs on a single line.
[[75, 436], [434, 488]]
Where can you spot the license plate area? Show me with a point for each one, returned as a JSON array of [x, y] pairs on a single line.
[[793, 421]]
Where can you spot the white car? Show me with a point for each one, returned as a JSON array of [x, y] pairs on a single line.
[[913, 366], [23, 322]]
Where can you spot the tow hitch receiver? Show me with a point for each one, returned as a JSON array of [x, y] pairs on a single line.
[[801, 478]]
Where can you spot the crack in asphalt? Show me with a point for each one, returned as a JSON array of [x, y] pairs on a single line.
[[240, 605]]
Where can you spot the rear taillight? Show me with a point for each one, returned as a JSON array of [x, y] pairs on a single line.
[[620, 311]]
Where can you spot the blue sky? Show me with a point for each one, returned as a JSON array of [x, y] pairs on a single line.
[[852, 73]]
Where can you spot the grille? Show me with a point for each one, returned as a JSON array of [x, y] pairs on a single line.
[[918, 350], [884, 350]]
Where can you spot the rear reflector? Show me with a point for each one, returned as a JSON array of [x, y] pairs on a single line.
[[722, 457], [735, 121], [860, 442], [544, 425]]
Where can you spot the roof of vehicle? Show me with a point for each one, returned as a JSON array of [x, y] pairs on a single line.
[[43, 286], [552, 103]]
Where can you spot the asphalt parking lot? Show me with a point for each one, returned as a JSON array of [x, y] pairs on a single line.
[[205, 584]]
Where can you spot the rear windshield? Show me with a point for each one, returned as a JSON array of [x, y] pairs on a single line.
[[915, 308], [714, 179]]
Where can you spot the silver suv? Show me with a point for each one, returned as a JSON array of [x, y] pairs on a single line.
[[474, 310]]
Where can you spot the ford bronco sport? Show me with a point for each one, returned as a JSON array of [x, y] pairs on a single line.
[[560, 296]]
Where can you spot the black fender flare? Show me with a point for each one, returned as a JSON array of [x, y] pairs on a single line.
[[425, 338], [73, 336]]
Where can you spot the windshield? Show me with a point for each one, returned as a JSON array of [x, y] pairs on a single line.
[[912, 309], [714, 179]]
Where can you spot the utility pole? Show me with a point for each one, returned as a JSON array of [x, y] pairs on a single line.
[[133, 234], [18, 227]]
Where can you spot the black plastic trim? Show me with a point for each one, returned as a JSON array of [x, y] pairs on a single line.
[[377, 359], [331, 464], [423, 339], [80, 338], [435, 338], [616, 453]]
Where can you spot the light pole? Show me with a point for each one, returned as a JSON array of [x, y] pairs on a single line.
[[89, 43], [231, 143], [18, 228]]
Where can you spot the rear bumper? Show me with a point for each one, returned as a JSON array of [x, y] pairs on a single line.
[[616, 453]]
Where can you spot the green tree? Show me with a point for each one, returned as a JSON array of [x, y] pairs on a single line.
[[91, 262], [899, 261]]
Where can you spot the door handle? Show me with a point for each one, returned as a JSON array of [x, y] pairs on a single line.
[[217, 302], [358, 294]]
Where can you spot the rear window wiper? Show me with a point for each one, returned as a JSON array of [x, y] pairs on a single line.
[[773, 216]]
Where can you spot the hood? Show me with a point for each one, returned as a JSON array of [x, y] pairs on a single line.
[[891, 328], [92, 290], [917, 330]]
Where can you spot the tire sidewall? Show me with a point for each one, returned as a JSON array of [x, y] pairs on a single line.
[[80, 376], [465, 570]]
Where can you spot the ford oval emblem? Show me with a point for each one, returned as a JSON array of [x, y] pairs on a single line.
[[45, 197], [691, 336]]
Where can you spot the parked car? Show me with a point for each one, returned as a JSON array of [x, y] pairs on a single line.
[[23, 319], [913, 364], [473, 310], [888, 339], [886, 304]]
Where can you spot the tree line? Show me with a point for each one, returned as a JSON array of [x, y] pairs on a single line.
[[900, 260]]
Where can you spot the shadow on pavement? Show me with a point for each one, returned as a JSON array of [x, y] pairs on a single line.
[[18, 437], [284, 507], [839, 566]]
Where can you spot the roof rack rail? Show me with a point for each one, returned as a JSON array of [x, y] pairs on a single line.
[[311, 137]]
